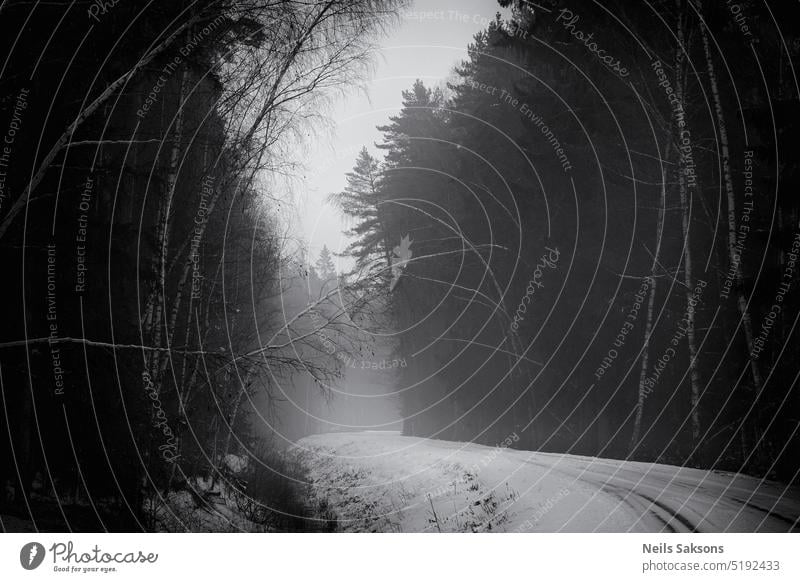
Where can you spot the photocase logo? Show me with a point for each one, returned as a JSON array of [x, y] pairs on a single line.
[[402, 254], [31, 555]]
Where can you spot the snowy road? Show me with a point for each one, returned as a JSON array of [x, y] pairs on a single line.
[[376, 481]]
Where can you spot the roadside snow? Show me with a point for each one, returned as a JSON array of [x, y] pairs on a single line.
[[380, 481], [211, 506]]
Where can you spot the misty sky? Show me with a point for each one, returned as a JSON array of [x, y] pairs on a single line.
[[428, 41]]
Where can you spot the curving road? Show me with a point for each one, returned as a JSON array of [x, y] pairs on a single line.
[[376, 481]]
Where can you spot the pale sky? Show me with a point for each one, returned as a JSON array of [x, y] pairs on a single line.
[[430, 38]]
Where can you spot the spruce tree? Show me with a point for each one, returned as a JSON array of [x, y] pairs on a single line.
[[324, 265]]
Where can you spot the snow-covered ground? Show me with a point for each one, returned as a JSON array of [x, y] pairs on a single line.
[[381, 481], [212, 508]]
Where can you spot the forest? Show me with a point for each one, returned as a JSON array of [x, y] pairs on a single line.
[[585, 240], [602, 257], [152, 309]]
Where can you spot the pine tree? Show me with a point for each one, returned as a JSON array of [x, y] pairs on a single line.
[[324, 265], [362, 202]]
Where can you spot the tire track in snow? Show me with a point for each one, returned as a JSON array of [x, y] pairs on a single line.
[[683, 520], [615, 490], [793, 524], [641, 510]]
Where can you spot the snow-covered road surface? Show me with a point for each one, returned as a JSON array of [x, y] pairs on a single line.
[[381, 481]]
